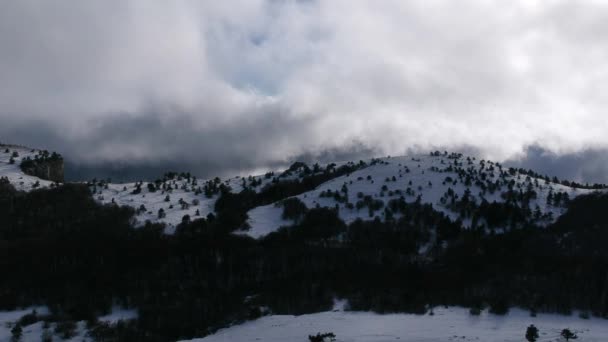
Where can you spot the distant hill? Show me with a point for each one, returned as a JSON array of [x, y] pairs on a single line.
[[453, 184]]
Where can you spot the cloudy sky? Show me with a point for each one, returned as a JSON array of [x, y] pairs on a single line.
[[226, 86]]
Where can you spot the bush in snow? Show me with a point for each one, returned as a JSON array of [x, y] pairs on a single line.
[[293, 209], [142, 209], [29, 319], [568, 335], [532, 333], [16, 333], [322, 337]]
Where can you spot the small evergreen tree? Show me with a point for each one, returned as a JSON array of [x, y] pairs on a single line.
[[532, 333], [568, 335], [16, 333]]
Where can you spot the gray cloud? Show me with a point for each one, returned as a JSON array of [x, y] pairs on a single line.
[[248, 84], [589, 166]]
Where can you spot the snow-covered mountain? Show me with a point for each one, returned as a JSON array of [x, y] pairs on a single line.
[[436, 179], [389, 235], [440, 179], [433, 179]]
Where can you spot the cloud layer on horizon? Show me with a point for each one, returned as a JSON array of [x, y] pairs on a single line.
[[249, 83]]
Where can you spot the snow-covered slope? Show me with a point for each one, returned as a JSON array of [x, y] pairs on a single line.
[[186, 194], [451, 324], [149, 203], [436, 179], [16, 177], [425, 176], [177, 195], [198, 195], [35, 331]]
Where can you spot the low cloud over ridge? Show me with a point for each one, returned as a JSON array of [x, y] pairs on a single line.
[[251, 83]]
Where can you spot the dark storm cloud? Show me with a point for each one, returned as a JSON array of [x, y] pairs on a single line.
[[589, 166], [150, 139], [248, 84], [209, 168]]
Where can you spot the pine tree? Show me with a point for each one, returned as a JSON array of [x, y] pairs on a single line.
[[16, 333], [532, 333], [568, 335]]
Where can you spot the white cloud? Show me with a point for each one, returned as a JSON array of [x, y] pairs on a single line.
[[307, 75]]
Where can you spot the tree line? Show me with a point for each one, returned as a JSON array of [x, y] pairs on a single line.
[[61, 249]]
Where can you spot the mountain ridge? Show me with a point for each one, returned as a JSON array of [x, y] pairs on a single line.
[[364, 192]]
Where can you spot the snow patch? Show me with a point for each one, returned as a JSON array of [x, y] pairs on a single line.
[[447, 324]]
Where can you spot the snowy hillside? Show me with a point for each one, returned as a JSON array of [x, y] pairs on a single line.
[[440, 179], [170, 198], [432, 179], [10, 159], [178, 195], [451, 324], [40, 327]]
